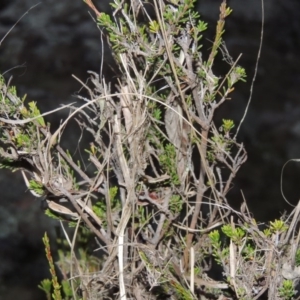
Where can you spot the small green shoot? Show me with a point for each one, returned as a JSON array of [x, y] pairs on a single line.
[[287, 291], [56, 286]]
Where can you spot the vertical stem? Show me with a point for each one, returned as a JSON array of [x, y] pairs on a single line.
[[199, 197]]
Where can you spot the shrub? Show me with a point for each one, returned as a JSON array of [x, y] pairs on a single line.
[[163, 166]]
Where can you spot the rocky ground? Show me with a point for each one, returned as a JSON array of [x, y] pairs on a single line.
[[56, 39]]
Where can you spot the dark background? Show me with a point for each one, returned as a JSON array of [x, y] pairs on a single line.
[[57, 39]]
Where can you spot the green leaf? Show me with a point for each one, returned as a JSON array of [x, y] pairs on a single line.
[[154, 26], [36, 186], [227, 125], [35, 112]]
